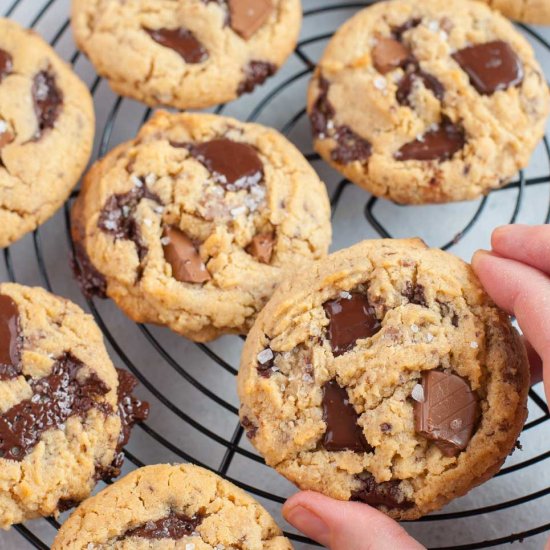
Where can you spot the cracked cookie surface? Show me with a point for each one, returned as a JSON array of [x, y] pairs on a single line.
[[186, 53], [428, 102], [65, 411], [194, 223], [386, 375], [528, 11], [181, 507], [46, 131]]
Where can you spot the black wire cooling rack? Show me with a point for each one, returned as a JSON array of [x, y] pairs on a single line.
[[227, 452]]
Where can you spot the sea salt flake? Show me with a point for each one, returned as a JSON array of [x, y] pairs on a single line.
[[110, 225], [165, 241], [136, 181], [3, 126], [346, 295], [238, 211], [429, 337], [433, 25], [380, 83], [307, 378], [147, 222], [414, 328], [158, 209], [150, 179], [265, 356], [456, 424], [474, 345], [418, 393]]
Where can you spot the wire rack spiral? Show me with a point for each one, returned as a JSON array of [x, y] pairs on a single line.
[[190, 386]]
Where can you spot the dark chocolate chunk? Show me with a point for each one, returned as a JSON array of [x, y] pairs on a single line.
[[266, 364], [438, 144], [180, 252], [6, 64], [255, 73], [11, 339], [351, 319], [342, 433], [406, 84], [55, 399], [387, 494], [250, 428], [234, 165], [261, 247], [389, 54], [398, 32], [415, 294], [248, 16], [323, 111], [48, 100], [174, 526], [448, 413], [182, 41], [491, 66], [64, 504]]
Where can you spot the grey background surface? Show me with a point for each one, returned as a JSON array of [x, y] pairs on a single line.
[[435, 224]]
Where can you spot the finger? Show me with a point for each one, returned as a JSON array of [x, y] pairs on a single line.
[[523, 243], [345, 525]]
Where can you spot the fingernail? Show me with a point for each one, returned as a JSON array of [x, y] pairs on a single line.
[[309, 523]]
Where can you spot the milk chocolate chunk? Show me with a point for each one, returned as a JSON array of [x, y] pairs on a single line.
[[492, 66], [351, 319], [10, 339], [55, 398], [182, 41], [248, 16], [255, 73], [448, 413], [261, 247], [405, 87], [48, 100], [234, 165], [439, 144], [6, 64], [175, 526], [389, 54], [342, 433], [387, 494], [181, 253]]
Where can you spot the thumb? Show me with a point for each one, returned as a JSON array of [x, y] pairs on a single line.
[[345, 525]]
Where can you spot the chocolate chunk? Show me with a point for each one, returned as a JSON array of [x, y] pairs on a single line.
[[266, 361], [55, 398], [48, 100], [385, 427], [398, 32], [182, 255], [323, 111], [174, 526], [248, 16], [261, 247], [415, 294], [351, 319], [387, 494], [492, 66], [438, 144], [11, 339], [255, 73], [6, 64], [351, 147], [406, 84], [342, 433], [448, 413], [117, 217], [389, 54], [182, 41], [64, 504], [250, 427], [234, 165]]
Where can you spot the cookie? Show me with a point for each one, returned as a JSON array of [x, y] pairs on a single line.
[[528, 11], [171, 506], [65, 412], [428, 102], [194, 223], [46, 131], [384, 375], [187, 53]]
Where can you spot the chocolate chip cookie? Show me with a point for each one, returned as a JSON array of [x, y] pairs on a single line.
[[194, 223], [186, 53], [46, 131], [428, 102], [529, 11], [171, 506], [65, 411], [384, 375]]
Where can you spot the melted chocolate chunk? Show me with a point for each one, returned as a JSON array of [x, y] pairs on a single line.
[[492, 66], [440, 144], [174, 526], [250, 427], [323, 111], [255, 73], [55, 399], [261, 247], [406, 85], [6, 64], [117, 217], [248, 16], [234, 165], [351, 319], [389, 54], [48, 100], [182, 41], [387, 494], [398, 32], [415, 294], [342, 433], [11, 339], [180, 252], [448, 413]]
